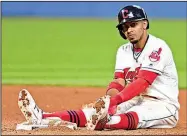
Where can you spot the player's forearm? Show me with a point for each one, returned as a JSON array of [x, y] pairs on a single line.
[[132, 90], [115, 87], [145, 78]]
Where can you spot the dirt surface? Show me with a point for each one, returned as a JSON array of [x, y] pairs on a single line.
[[65, 98]]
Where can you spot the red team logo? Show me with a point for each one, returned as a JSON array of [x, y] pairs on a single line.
[[131, 75], [155, 55]]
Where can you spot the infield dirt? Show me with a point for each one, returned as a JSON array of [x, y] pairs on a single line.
[[51, 98]]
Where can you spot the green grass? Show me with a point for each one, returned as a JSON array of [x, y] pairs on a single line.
[[75, 52]]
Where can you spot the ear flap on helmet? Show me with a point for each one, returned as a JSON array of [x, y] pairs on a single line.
[[147, 24], [120, 31], [122, 34]]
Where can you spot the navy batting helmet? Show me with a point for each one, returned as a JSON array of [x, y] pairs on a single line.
[[128, 14]]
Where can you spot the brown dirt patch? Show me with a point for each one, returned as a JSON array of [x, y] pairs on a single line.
[[51, 98]]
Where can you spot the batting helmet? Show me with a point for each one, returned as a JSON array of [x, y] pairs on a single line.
[[128, 14]]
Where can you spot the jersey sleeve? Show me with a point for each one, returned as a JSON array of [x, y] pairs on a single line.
[[120, 63], [157, 59]]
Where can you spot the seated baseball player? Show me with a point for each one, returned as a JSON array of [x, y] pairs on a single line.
[[144, 92]]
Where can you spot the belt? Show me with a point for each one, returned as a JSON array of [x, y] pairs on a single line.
[[148, 96]]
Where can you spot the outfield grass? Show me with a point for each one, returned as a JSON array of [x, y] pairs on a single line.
[[74, 51]]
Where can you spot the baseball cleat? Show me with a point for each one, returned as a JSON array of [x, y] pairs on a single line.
[[28, 107], [99, 116]]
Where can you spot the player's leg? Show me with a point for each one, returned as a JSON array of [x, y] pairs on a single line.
[[122, 120], [150, 113], [128, 121], [154, 113], [75, 116], [89, 114], [35, 115]]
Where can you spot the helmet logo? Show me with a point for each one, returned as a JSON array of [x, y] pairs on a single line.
[[126, 14], [130, 15]]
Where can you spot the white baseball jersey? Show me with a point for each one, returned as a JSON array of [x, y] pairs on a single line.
[[156, 57]]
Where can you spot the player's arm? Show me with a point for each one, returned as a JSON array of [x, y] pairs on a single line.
[[115, 86], [118, 82], [152, 66], [144, 79]]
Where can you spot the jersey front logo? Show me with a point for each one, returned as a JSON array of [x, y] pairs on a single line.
[[130, 74], [155, 55]]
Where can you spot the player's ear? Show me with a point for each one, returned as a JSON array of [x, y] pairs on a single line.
[[145, 23]]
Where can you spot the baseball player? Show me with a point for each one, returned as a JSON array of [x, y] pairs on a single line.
[[144, 92]]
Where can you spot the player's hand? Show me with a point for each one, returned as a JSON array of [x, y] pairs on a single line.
[[114, 101], [112, 110], [113, 106]]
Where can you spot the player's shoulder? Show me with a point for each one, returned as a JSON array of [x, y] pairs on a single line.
[[125, 47], [158, 42]]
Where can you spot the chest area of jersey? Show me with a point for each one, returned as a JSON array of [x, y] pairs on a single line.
[[131, 72], [133, 63]]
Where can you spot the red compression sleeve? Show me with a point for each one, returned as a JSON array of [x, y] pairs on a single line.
[[115, 85], [149, 76], [145, 78]]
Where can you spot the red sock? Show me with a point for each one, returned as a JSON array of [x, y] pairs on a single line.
[[77, 116], [127, 121]]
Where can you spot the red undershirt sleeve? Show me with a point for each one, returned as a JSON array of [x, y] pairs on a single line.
[[118, 75], [149, 76]]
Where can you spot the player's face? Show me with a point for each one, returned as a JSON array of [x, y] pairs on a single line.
[[134, 30]]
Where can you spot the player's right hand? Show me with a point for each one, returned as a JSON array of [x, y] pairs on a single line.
[[113, 106], [112, 110]]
